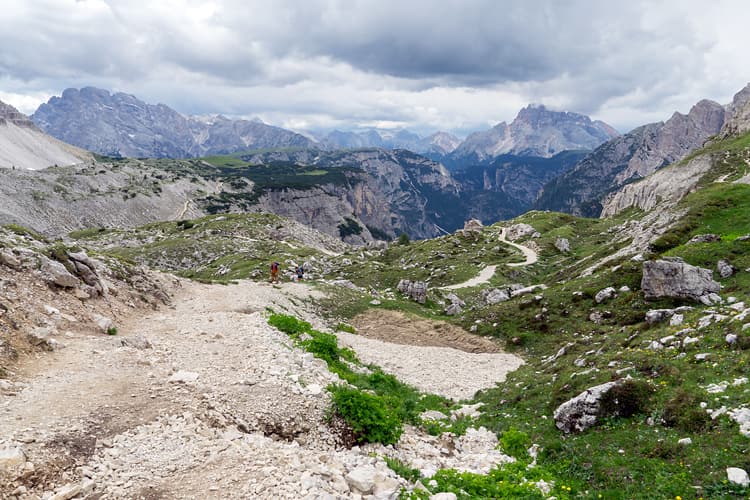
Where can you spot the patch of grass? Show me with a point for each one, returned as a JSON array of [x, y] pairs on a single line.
[[24, 231], [369, 416]]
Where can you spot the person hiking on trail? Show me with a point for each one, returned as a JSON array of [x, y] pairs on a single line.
[[300, 273], [275, 272]]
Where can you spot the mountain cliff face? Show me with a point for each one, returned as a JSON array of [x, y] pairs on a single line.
[[388, 191], [122, 125], [536, 131], [738, 114], [630, 157], [24, 146]]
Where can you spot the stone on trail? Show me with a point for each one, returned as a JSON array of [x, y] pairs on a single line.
[[362, 478], [9, 260], [183, 377], [103, 323]]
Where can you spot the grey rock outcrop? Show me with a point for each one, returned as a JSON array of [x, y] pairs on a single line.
[[634, 155], [456, 305], [495, 296], [416, 290], [562, 244], [56, 273], [86, 269], [676, 279], [583, 411], [725, 268], [8, 259], [704, 238], [605, 294], [738, 114], [518, 231]]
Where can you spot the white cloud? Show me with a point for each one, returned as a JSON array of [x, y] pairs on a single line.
[[426, 65]]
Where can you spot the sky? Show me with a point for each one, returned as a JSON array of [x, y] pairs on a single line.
[[453, 65]]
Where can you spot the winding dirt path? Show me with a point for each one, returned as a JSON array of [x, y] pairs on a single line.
[[484, 276]]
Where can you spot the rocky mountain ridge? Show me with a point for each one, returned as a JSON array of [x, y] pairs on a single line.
[[536, 131], [122, 125], [437, 144], [630, 157], [24, 146]]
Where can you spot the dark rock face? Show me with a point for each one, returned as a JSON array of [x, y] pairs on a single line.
[[536, 131], [738, 114], [630, 157], [675, 279], [122, 125]]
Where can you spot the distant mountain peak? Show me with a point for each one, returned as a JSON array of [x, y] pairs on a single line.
[[536, 131], [120, 124]]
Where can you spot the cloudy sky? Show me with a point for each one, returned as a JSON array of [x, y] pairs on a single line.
[[456, 65]]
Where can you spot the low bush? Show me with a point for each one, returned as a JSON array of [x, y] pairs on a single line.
[[627, 399], [515, 443], [289, 324], [683, 412], [323, 346], [368, 415]]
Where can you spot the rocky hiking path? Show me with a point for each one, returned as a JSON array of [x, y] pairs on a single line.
[[484, 276], [205, 400]]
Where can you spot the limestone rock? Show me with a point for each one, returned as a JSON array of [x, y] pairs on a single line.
[[704, 238], [472, 228], [605, 294], [658, 315], [55, 273], [8, 259], [738, 476], [583, 411], [183, 377], [676, 279], [495, 296], [562, 244], [104, 324], [725, 269], [137, 342], [362, 478], [416, 290], [518, 231], [443, 496]]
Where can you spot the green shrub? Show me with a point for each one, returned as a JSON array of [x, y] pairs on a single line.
[[684, 413], [369, 416], [112, 330], [403, 470], [289, 324], [515, 443], [323, 346], [349, 227], [186, 224], [403, 239], [627, 399]]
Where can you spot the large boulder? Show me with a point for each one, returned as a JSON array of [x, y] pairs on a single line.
[[583, 411], [86, 269], [55, 273], [416, 290], [725, 268], [672, 277], [518, 231], [562, 244], [8, 259], [495, 295]]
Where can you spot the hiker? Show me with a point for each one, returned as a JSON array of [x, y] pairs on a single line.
[[300, 273], [275, 272]]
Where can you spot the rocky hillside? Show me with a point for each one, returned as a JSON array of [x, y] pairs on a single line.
[[23, 146], [630, 157], [536, 131], [122, 125], [355, 195]]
